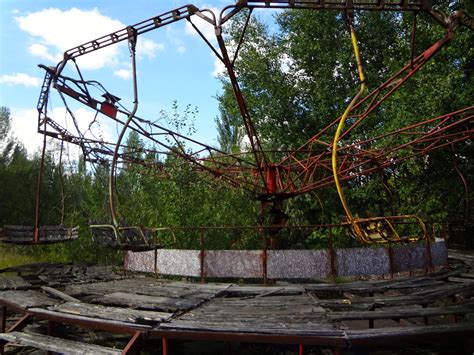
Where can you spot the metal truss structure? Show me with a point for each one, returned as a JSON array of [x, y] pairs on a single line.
[[272, 176]]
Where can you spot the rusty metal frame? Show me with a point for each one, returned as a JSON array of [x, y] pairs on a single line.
[[134, 344], [300, 170], [293, 170], [132, 347]]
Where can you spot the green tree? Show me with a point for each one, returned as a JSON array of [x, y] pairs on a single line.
[[299, 77]]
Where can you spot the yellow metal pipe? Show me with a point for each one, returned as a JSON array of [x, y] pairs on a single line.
[[341, 125]]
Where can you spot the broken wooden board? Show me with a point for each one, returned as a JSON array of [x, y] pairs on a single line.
[[149, 286], [393, 335], [57, 345], [26, 299], [270, 314], [458, 309], [375, 287], [57, 275], [58, 294], [14, 283], [255, 290], [86, 321], [112, 313], [154, 303]]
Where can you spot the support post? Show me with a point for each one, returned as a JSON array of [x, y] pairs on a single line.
[[125, 260], [202, 255], [332, 257], [165, 346], [22, 322], [50, 328], [371, 321], [155, 265], [264, 263], [425, 318], [133, 346], [3, 325], [50, 332], [429, 267], [445, 238], [390, 259]]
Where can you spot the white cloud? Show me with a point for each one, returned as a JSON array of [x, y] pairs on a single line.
[[54, 31], [24, 128], [125, 74], [38, 50], [219, 67], [148, 48], [25, 124], [175, 39], [20, 79]]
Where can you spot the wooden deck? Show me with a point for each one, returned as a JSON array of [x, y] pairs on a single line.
[[426, 308]]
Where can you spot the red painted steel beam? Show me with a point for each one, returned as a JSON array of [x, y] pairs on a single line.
[[134, 345], [21, 323], [337, 339], [92, 323]]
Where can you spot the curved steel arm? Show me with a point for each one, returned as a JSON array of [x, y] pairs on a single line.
[[343, 120], [133, 41]]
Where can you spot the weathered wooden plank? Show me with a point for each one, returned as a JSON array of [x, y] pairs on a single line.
[[14, 283], [270, 314], [26, 299], [397, 300], [396, 333], [112, 313], [450, 291], [404, 313], [88, 321], [166, 304], [266, 306], [369, 287], [461, 255], [247, 291], [150, 287], [321, 329], [252, 312], [57, 345], [34, 267], [59, 294], [446, 273], [460, 279]]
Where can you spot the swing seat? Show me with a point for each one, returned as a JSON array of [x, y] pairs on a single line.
[[381, 230], [132, 238], [16, 234]]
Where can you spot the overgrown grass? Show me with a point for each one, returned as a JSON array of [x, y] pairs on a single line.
[[11, 256]]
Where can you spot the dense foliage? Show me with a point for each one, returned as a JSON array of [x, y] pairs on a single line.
[[300, 74]]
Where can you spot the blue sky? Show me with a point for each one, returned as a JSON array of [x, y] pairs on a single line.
[[173, 62]]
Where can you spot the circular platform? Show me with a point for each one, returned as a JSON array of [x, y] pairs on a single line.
[[426, 310], [291, 264]]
